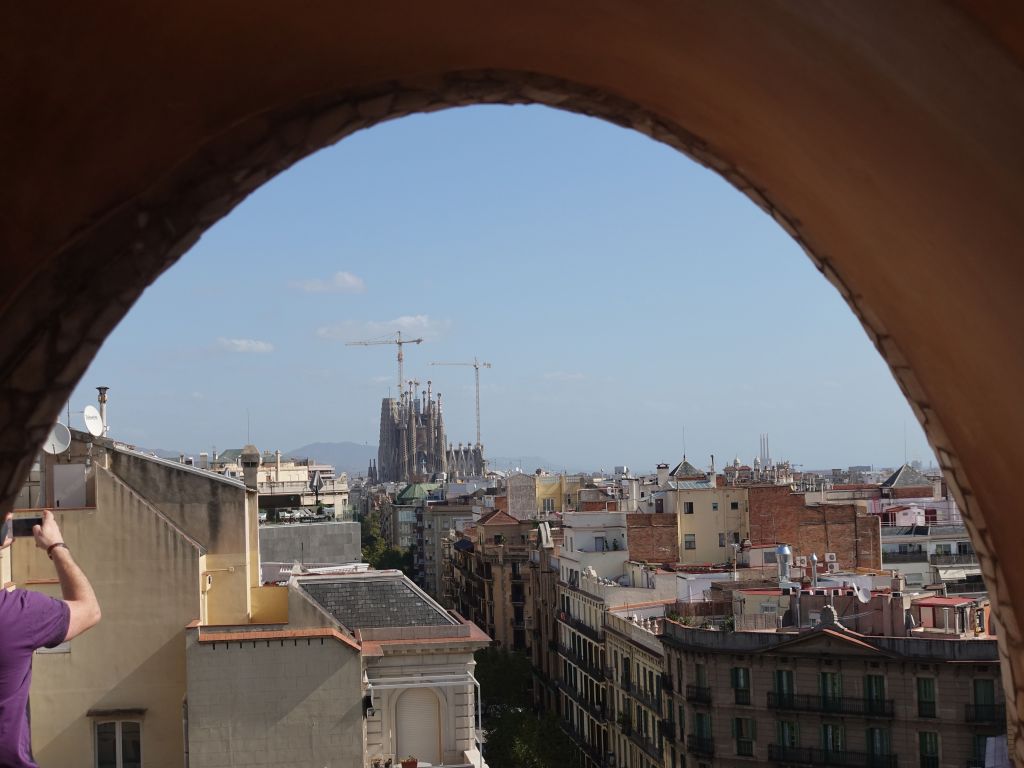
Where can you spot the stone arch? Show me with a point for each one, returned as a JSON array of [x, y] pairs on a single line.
[[884, 139]]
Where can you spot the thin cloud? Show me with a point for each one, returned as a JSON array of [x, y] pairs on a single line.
[[411, 326], [339, 282], [245, 345], [564, 376]]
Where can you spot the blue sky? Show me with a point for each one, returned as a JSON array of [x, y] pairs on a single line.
[[621, 292]]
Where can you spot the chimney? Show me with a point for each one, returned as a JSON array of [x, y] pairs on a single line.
[[662, 475], [102, 397], [277, 466], [250, 460]]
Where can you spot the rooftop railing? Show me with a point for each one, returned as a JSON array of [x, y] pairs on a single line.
[[967, 558], [700, 745]]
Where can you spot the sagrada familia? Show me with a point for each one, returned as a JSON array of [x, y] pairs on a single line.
[[412, 444]]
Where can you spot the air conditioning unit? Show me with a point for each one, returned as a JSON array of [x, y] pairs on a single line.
[[830, 557], [801, 562], [833, 567]]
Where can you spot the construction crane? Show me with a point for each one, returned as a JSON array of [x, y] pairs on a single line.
[[476, 365], [397, 340]]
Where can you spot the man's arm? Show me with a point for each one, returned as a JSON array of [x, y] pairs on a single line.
[[74, 587]]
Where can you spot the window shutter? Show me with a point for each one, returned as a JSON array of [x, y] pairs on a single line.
[[734, 674], [735, 726], [753, 728]]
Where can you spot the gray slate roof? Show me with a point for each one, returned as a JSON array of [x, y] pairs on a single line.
[[377, 601], [907, 477]]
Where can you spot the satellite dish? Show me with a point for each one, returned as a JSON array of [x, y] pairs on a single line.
[[93, 422], [59, 439]]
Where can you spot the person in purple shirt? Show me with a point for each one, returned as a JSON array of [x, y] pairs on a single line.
[[31, 620]]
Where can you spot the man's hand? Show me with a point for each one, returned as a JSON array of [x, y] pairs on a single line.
[[10, 536], [47, 534]]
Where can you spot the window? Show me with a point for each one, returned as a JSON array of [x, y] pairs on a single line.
[[549, 505], [714, 506], [833, 737], [702, 725], [929, 745], [689, 541], [721, 539], [926, 697], [744, 731], [734, 505], [687, 507], [878, 740], [741, 684], [831, 688], [783, 687], [119, 744], [874, 693], [789, 735]]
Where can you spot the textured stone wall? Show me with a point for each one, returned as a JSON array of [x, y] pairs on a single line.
[[653, 538], [779, 515]]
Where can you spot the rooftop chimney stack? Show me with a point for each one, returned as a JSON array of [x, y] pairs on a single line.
[[102, 398]]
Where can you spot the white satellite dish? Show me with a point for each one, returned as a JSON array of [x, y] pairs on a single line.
[[93, 422], [59, 439]]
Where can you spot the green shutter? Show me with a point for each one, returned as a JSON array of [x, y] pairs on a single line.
[[734, 676]]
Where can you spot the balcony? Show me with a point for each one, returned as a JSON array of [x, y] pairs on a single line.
[[926, 709], [929, 761], [646, 744], [700, 745], [813, 756], [985, 713], [835, 706], [742, 695], [668, 728], [698, 694], [584, 629], [593, 752], [965, 587], [597, 711], [666, 683], [593, 670], [647, 698], [905, 557], [966, 558]]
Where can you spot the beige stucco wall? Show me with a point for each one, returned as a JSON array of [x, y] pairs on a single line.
[[457, 705], [146, 577], [291, 703], [706, 522]]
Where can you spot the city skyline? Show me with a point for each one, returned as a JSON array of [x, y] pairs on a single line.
[[622, 293]]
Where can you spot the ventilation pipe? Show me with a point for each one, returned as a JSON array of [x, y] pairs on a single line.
[[102, 398], [814, 570], [783, 557]]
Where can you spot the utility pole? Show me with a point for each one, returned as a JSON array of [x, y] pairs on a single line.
[[476, 365]]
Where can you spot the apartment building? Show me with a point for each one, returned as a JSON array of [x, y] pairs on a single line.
[[830, 696], [544, 625], [435, 521], [195, 657], [490, 577]]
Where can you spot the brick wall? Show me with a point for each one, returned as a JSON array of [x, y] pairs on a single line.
[[652, 537], [779, 515]]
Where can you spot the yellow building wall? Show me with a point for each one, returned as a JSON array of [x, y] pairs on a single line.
[[270, 605], [146, 577], [706, 523]]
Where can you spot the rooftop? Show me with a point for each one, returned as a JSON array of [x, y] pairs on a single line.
[[907, 477], [376, 599]]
